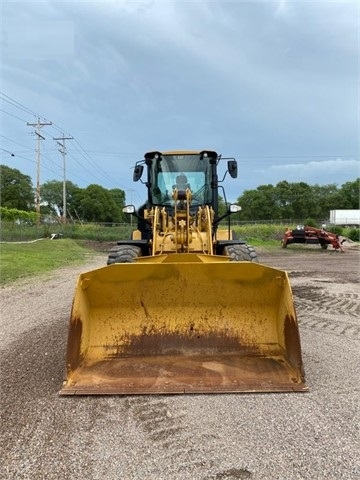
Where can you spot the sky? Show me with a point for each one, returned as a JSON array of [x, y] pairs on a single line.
[[274, 84]]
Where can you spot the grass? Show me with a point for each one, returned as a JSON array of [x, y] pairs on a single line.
[[22, 260], [11, 232]]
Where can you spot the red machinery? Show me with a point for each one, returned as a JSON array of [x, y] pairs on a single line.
[[311, 235]]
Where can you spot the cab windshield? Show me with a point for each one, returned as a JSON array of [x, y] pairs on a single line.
[[181, 172]]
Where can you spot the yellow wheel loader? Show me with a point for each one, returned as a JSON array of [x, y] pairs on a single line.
[[183, 306]]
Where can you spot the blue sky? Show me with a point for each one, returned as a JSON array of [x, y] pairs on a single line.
[[274, 84]]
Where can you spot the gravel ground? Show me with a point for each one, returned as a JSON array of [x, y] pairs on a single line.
[[305, 436]]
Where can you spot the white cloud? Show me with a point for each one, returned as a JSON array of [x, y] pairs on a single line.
[[323, 172], [224, 75], [282, 8]]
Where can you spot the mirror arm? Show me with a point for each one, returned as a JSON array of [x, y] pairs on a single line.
[[218, 220]]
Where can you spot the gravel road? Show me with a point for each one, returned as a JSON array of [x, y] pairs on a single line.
[[307, 436]]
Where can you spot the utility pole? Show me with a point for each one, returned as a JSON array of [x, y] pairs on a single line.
[[37, 127], [62, 150], [131, 200]]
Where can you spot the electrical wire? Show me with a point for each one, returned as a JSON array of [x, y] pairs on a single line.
[[93, 168], [11, 115], [76, 145]]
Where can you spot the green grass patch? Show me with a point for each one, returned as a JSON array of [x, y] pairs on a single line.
[[13, 232], [22, 260], [263, 233]]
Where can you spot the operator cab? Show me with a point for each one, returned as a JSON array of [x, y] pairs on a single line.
[[180, 171]]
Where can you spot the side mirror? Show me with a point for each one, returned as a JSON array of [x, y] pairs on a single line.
[[233, 208], [129, 209], [138, 171], [232, 168]]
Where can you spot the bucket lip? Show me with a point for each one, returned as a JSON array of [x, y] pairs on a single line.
[[154, 382], [187, 266], [190, 258], [69, 391], [186, 260]]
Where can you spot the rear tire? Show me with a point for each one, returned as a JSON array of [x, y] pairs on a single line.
[[240, 253], [123, 254]]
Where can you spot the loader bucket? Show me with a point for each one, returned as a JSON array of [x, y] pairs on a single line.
[[183, 323]]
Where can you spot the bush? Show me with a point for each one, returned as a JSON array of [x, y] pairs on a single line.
[[18, 216], [98, 232], [336, 230], [263, 232], [352, 233]]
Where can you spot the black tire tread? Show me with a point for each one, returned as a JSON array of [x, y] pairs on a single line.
[[240, 253], [123, 254]]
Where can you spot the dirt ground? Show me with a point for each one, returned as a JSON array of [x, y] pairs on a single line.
[[283, 436]]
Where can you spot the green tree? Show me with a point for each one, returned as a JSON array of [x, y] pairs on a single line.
[[349, 195], [303, 203], [285, 198], [52, 195], [297, 201], [260, 204], [96, 204], [221, 206], [118, 196], [325, 197], [16, 189]]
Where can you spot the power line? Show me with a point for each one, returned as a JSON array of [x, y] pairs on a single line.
[[93, 163], [19, 105], [7, 151], [81, 151], [17, 143], [11, 115], [34, 161], [22, 107]]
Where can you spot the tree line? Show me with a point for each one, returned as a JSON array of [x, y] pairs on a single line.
[[299, 200], [91, 204], [95, 203]]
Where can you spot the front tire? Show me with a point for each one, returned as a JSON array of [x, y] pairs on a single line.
[[241, 253], [123, 254]]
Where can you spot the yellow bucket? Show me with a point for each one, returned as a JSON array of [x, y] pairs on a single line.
[[183, 323]]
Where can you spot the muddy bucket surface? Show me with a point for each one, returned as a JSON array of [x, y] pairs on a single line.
[[183, 324]]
